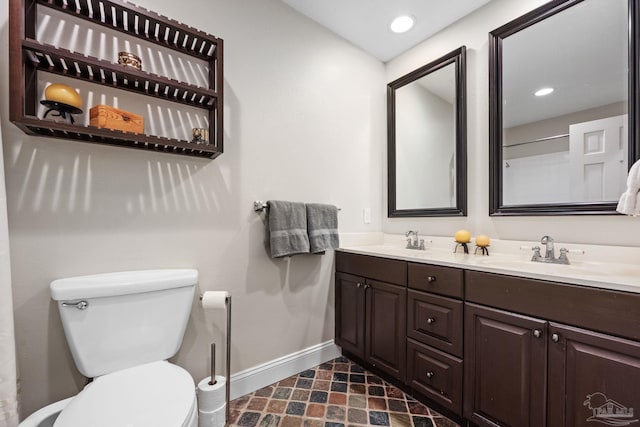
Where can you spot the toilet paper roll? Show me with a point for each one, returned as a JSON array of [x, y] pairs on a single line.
[[214, 299], [215, 418], [211, 397]]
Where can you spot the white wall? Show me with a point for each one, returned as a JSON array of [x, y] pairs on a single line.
[[304, 121], [472, 31]]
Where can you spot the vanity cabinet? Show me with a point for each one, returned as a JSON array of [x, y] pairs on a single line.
[[493, 349], [592, 377], [434, 333], [523, 367], [350, 313], [371, 311], [505, 368]]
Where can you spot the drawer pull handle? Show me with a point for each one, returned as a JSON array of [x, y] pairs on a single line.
[[431, 279], [367, 286], [537, 333], [431, 320], [430, 374], [359, 285], [555, 337]]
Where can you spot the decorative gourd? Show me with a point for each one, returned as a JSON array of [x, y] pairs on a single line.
[[58, 92]]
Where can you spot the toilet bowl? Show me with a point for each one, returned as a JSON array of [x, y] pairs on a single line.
[[121, 328], [156, 394], [45, 417]]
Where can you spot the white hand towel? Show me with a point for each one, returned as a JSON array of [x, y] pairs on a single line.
[[629, 203]]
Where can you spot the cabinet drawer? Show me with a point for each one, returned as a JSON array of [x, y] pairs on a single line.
[[436, 321], [382, 269], [435, 375], [603, 310], [439, 280]]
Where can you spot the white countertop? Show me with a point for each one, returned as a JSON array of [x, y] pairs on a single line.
[[614, 271]]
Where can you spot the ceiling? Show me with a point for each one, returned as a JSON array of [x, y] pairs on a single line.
[[365, 23]]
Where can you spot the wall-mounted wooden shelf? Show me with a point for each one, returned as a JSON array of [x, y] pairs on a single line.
[[142, 23], [28, 56], [35, 126]]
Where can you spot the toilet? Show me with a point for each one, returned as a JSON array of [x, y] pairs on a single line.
[[121, 328]]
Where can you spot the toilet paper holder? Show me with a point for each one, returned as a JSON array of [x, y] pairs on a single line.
[[227, 303]]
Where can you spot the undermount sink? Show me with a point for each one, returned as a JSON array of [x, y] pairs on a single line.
[[605, 267]]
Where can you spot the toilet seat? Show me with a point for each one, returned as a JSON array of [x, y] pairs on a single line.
[[156, 394]]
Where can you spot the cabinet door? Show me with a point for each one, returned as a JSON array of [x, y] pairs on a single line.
[[505, 368], [386, 328], [594, 379], [350, 320]]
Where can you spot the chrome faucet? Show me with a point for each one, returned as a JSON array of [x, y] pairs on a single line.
[[413, 241], [549, 253]]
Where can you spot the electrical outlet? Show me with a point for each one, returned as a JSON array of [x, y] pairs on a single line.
[[366, 215]]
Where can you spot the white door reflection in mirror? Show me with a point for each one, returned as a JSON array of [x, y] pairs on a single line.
[[591, 165], [598, 159]]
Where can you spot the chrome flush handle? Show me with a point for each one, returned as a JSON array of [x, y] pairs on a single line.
[[80, 305]]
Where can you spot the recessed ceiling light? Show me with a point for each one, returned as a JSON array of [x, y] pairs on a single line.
[[402, 24], [544, 91]]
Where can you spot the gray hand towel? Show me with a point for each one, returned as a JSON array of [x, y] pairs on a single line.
[[287, 228], [322, 227]]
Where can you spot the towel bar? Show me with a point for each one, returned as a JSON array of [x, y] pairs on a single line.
[[259, 206]]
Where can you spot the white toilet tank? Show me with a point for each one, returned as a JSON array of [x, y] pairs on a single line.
[[114, 321]]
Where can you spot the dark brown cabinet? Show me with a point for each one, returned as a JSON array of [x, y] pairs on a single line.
[[505, 368], [385, 330], [495, 349], [350, 312], [436, 279], [594, 379], [529, 369], [371, 313], [435, 374], [435, 321], [434, 333], [522, 371]]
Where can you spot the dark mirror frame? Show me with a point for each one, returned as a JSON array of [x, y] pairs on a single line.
[[496, 206], [457, 57]]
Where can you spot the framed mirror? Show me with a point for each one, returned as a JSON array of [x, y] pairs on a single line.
[[563, 108], [427, 139]]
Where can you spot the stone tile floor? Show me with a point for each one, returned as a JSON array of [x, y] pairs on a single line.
[[338, 393]]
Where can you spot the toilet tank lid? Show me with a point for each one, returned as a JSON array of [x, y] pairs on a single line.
[[121, 283]]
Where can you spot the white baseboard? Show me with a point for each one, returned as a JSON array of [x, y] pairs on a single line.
[[255, 378]]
